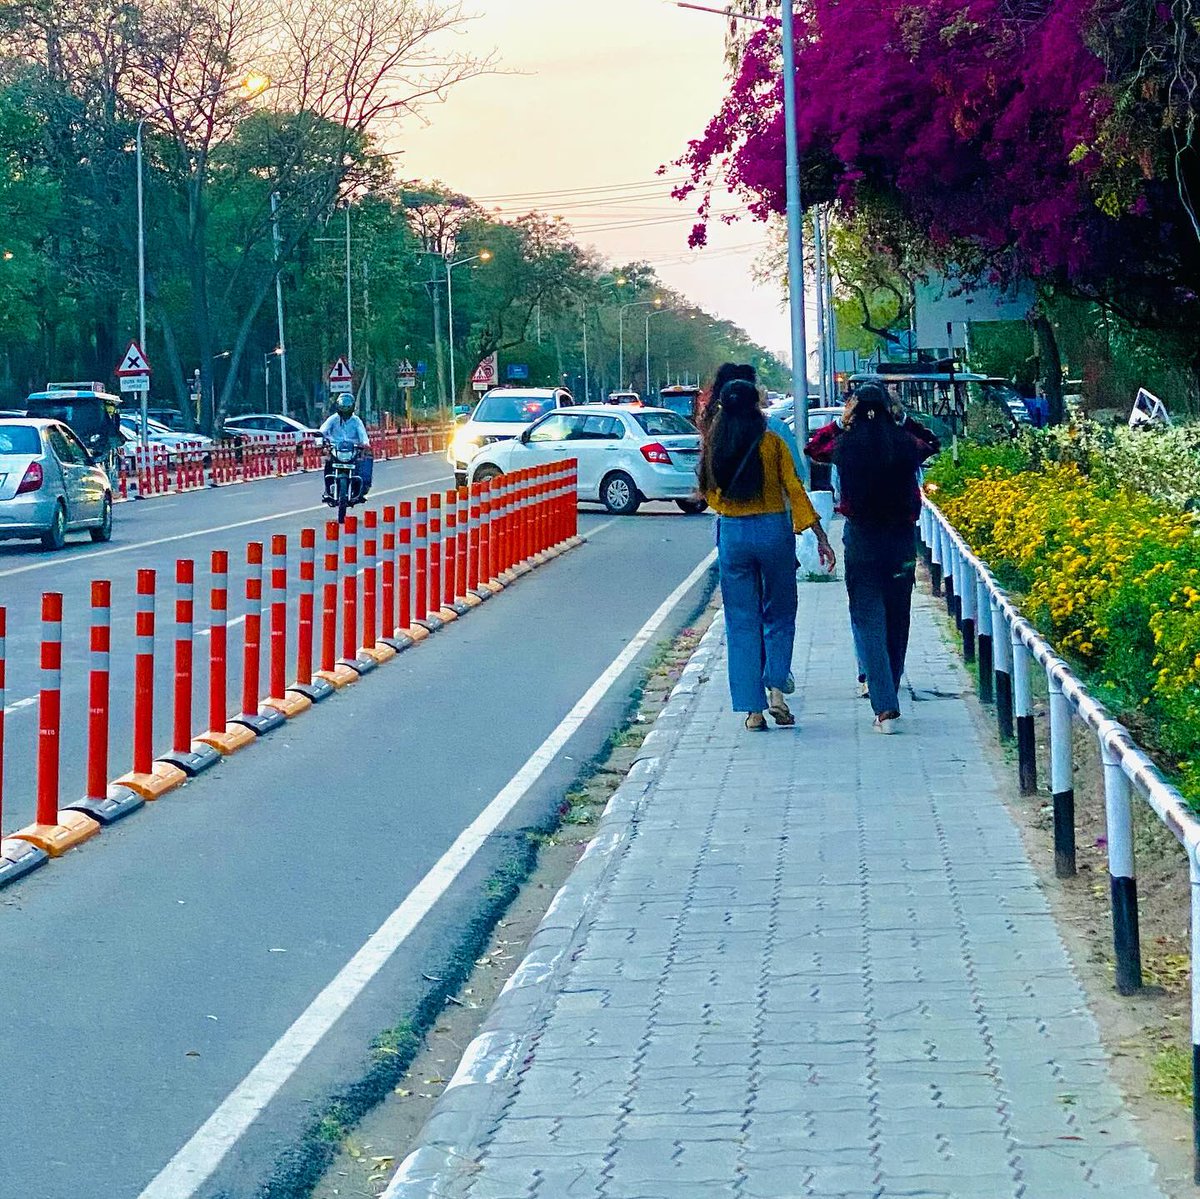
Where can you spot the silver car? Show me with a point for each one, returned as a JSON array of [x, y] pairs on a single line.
[[50, 485]]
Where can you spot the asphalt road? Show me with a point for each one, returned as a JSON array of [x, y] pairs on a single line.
[[153, 534], [147, 975]]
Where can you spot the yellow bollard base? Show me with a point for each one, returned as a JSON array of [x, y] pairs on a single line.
[[380, 653], [472, 601], [495, 586], [340, 676], [290, 705], [417, 633], [446, 615], [235, 737], [163, 777], [72, 829]]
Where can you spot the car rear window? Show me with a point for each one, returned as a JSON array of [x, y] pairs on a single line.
[[663, 424], [19, 439], [502, 409]]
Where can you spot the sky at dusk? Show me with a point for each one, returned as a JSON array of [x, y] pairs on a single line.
[[592, 95]]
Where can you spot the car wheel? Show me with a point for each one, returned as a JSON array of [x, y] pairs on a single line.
[[692, 507], [460, 479], [620, 495], [486, 473], [103, 531], [55, 537]]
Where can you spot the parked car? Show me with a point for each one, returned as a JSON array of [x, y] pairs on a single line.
[[50, 485], [85, 408], [159, 434], [270, 427], [502, 414], [627, 455]]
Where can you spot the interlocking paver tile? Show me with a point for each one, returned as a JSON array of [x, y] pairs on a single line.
[[821, 967]]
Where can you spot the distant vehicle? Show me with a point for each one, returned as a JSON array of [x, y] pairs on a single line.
[[502, 414], [627, 455], [172, 440], [50, 485], [268, 427], [682, 399], [86, 408], [936, 392], [624, 397]]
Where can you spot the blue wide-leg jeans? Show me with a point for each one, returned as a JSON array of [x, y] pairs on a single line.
[[757, 556]]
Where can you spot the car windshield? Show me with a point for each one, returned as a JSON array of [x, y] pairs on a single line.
[[506, 409], [19, 439], [84, 416], [664, 424]]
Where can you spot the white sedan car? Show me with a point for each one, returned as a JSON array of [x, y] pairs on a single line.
[[626, 456]]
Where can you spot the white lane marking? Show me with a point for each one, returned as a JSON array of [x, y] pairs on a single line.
[[20, 705], [199, 1159], [229, 624], [241, 524]]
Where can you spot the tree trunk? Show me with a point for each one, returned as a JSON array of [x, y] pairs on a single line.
[[1049, 365]]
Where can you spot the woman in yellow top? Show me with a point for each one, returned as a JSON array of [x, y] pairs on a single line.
[[747, 475]]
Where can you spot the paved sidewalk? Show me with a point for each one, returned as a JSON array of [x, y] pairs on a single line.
[[814, 962]]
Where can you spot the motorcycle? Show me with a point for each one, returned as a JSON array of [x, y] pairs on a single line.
[[345, 483]]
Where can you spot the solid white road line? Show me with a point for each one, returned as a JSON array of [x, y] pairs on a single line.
[[240, 524], [198, 1160]]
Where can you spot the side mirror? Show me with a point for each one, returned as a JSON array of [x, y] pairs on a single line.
[[524, 438], [462, 418]]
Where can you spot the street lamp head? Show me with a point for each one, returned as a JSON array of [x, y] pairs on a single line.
[[621, 280], [485, 255], [658, 303], [252, 84], [8, 256]]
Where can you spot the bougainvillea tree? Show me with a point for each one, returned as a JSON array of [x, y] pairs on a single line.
[[1045, 138]]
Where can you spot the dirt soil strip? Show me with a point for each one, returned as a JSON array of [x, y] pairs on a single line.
[[358, 1155]]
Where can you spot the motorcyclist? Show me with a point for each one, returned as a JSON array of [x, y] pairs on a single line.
[[344, 428]]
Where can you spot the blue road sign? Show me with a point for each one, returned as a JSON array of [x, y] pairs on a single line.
[[517, 370]]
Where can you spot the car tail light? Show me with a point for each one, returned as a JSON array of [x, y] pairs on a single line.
[[654, 452], [33, 479]]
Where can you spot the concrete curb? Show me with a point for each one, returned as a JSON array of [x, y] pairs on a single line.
[[444, 1162]]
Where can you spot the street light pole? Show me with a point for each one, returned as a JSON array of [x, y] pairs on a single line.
[[482, 256], [349, 323], [656, 312], [657, 302], [141, 217], [795, 223], [283, 396]]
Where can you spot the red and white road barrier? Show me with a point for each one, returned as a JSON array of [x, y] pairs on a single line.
[[307, 683], [279, 696], [351, 656], [492, 532], [254, 715]]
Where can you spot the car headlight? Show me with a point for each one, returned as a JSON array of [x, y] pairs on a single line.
[[465, 446]]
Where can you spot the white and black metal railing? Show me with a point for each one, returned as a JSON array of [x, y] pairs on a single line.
[[1006, 646]]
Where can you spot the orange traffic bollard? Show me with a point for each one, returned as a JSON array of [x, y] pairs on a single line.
[[220, 734], [290, 703], [371, 646], [307, 684], [351, 656], [252, 715], [332, 671]]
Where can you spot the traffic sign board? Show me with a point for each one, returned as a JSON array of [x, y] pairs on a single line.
[[133, 362], [486, 373], [135, 383], [341, 378], [406, 376]]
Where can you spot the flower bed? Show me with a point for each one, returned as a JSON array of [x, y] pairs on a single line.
[[1107, 570]]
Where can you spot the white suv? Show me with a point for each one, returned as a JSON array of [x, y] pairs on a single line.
[[502, 414], [626, 455], [269, 427]]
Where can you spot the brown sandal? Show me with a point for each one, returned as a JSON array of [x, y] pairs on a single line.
[[756, 722], [780, 712]]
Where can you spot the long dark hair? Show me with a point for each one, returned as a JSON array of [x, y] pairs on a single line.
[[875, 459], [728, 463], [727, 372]]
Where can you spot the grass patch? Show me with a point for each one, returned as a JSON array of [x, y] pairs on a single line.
[[1171, 1074]]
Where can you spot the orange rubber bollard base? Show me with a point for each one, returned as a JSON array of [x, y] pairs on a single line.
[[73, 828], [378, 653], [495, 586], [416, 632], [340, 676], [508, 577], [235, 737], [290, 705], [163, 777], [446, 615], [470, 600]]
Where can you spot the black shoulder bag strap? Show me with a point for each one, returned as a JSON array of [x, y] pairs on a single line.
[[737, 474]]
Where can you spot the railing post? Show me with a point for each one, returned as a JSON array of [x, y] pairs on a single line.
[[968, 598], [1062, 777], [1122, 871], [1002, 649], [983, 636], [1023, 708], [949, 571], [935, 557]]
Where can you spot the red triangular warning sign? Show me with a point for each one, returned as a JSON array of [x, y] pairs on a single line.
[[340, 372], [133, 363]]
